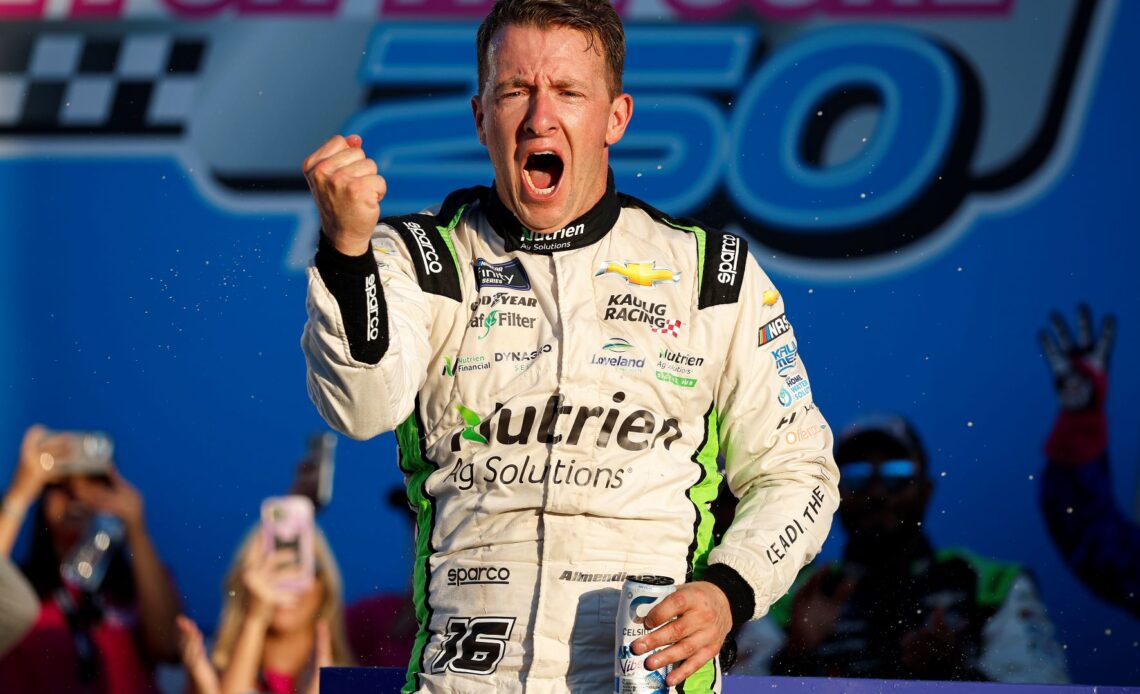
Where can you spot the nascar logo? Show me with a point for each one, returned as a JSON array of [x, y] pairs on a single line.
[[773, 329]]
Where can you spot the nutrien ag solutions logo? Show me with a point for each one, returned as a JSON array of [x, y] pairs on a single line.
[[632, 430]]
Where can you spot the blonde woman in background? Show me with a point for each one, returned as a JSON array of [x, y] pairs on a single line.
[[273, 640]]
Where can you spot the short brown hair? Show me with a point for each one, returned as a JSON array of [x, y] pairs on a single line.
[[597, 19]]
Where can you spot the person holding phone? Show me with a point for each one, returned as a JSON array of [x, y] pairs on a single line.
[[279, 623], [107, 635]]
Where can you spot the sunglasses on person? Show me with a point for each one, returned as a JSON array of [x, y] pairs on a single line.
[[895, 474]]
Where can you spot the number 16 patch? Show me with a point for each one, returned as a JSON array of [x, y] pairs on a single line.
[[474, 645]]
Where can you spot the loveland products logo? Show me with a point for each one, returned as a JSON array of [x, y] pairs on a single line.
[[641, 274], [618, 353]]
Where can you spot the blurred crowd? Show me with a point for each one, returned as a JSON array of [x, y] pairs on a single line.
[[91, 606]]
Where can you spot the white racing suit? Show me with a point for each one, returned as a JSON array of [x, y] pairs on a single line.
[[560, 403]]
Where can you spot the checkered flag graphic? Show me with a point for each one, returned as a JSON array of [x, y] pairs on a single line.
[[671, 327], [55, 83]]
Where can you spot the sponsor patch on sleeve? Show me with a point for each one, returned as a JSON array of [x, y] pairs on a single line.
[[773, 329]]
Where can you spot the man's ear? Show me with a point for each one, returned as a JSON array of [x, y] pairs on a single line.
[[477, 112], [621, 111]]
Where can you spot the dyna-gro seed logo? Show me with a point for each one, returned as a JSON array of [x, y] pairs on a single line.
[[841, 148]]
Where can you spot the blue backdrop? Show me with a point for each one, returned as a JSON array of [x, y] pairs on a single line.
[[924, 185]]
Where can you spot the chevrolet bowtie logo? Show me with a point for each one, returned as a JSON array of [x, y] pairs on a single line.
[[645, 274]]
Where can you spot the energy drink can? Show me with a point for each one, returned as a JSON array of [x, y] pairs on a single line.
[[639, 594]]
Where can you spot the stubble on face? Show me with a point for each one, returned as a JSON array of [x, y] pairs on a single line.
[[547, 119]]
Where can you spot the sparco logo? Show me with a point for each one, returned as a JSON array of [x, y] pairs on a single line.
[[373, 307], [486, 575], [427, 251], [636, 430], [729, 255]]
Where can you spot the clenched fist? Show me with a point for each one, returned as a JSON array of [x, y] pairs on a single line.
[[348, 189]]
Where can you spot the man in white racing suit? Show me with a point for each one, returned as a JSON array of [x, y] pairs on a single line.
[[563, 366]]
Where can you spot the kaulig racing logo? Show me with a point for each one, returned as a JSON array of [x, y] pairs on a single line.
[[828, 136], [558, 422]]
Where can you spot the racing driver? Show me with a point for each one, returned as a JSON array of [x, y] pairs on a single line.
[[564, 366]]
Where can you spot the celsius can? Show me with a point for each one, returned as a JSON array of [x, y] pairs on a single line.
[[638, 596]]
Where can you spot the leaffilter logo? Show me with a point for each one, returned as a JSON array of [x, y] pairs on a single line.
[[489, 322]]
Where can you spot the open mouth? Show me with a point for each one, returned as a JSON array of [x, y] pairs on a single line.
[[543, 171]]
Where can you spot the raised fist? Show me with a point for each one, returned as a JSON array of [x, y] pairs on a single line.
[[348, 189]]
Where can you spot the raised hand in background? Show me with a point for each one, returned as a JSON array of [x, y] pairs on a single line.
[[1095, 537], [1080, 366]]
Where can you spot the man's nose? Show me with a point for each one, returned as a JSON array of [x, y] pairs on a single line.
[[541, 119]]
